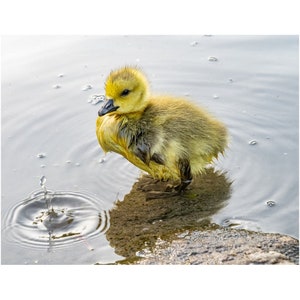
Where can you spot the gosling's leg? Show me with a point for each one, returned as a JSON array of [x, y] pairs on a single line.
[[171, 191], [185, 174]]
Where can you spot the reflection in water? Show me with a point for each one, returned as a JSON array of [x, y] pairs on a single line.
[[136, 222]]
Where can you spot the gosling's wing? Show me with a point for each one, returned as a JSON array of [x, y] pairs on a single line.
[[141, 144], [141, 148], [143, 152]]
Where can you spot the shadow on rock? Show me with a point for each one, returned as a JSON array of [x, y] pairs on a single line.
[[136, 223]]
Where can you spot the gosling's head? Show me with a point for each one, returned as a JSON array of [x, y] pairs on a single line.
[[126, 92]]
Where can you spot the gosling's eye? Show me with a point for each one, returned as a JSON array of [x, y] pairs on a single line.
[[125, 93]]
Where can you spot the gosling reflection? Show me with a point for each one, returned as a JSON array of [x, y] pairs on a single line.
[[137, 222]]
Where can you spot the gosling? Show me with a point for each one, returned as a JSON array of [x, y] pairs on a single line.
[[168, 137]]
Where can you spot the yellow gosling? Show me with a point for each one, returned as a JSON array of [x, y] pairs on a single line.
[[168, 137]]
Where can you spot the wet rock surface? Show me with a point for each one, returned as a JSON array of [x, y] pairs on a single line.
[[225, 246], [151, 226]]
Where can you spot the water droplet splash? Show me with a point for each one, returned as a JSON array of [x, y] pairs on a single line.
[[50, 220], [43, 182], [46, 196]]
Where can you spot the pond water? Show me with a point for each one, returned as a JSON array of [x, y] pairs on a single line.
[[50, 89]]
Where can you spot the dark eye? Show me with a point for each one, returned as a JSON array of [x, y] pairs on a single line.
[[125, 92]]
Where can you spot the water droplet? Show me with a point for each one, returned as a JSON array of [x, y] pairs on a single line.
[[77, 164], [68, 161], [95, 99], [43, 181], [41, 155], [60, 75], [43, 185], [215, 96], [87, 87], [271, 203], [56, 86], [285, 153], [101, 160], [212, 58], [194, 43], [252, 142], [43, 166], [230, 80]]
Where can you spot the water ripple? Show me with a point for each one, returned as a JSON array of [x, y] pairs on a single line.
[[58, 220]]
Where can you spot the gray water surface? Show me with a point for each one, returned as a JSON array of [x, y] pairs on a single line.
[[48, 129]]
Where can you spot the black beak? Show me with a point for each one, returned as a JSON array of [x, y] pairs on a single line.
[[107, 108]]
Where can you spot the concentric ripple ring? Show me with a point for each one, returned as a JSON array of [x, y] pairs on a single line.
[[55, 219]]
